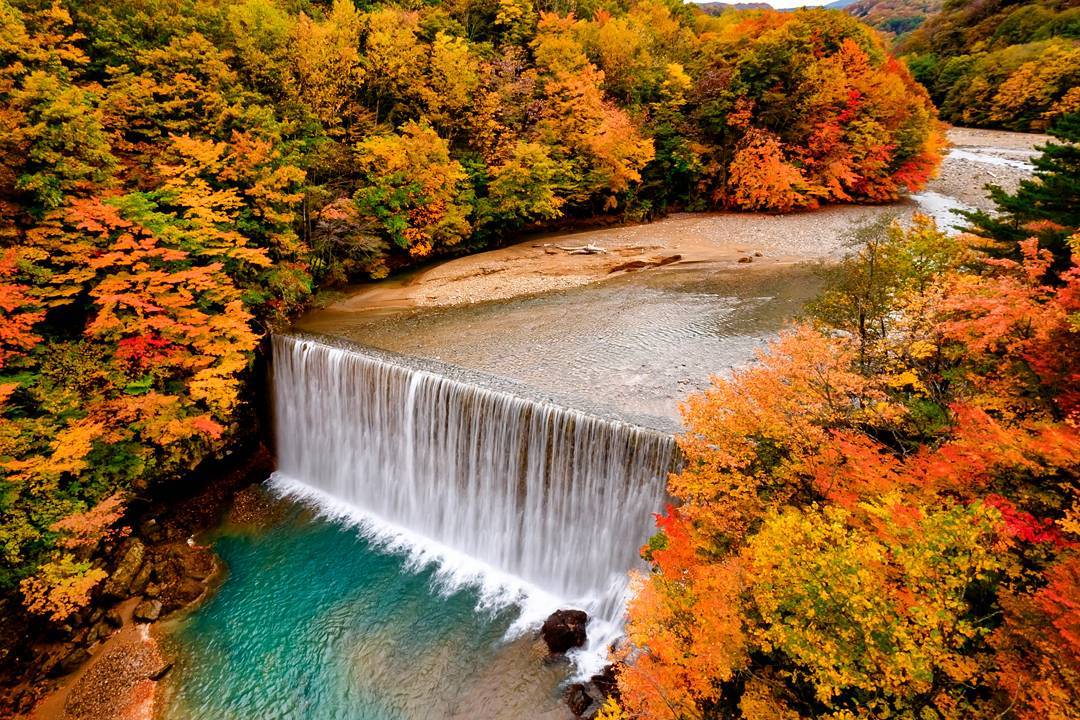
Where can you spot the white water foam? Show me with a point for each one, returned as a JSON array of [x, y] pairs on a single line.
[[537, 506], [987, 159], [941, 209]]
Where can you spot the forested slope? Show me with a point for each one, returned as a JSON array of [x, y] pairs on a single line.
[[893, 17], [1000, 63]]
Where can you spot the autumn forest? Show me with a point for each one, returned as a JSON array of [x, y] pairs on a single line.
[[878, 518]]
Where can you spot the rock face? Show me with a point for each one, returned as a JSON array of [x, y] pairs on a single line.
[[586, 699], [71, 662], [147, 611], [119, 583], [578, 699], [564, 630]]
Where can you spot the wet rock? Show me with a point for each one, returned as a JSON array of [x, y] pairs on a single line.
[[113, 617], [198, 564], [71, 662], [186, 592], [151, 530], [119, 583], [605, 681], [160, 671], [147, 611], [578, 699], [564, 629]]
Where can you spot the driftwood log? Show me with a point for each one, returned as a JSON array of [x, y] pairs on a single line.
[[582, 249]]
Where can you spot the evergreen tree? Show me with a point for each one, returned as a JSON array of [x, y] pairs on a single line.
[[1047, 206]]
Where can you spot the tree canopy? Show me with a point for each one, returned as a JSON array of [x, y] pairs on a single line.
[[1000, 63], [880, 517]]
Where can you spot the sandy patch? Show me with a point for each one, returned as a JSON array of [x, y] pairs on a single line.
[[116, 684]]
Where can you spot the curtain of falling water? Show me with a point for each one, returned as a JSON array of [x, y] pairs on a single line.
[[559, 498]]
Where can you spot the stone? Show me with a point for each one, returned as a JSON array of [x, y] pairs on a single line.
[[746, 259], [151, 530], [564, 630], [113, 617], [71, 662], [147, 611], [605, 681], [152, 590], [118, 585], [160, 671], [578, 699], [198, 563], [98, 632], [141, 580]]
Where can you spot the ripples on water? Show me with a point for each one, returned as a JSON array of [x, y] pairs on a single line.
[[314, 623]]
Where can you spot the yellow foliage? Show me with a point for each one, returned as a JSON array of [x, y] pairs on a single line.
[[61, 587]]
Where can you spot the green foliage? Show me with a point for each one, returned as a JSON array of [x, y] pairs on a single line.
[[1046, 206], [862, 290]]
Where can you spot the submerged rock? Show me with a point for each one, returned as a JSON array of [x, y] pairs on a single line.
[[564, 630]]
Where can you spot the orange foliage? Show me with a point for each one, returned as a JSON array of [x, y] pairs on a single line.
[[834, 541]]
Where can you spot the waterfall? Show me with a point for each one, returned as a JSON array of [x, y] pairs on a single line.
[[560, 498]]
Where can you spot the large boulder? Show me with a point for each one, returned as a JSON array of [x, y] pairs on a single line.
[[578, 699], [147, 611], [564, 630], [118, 585], [71, 662]]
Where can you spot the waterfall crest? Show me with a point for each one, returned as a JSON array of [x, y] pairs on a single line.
[[557, 497]]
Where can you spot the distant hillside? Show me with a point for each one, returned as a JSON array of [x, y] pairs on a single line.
[[715, 8], [892, 17], [1000, 63]]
